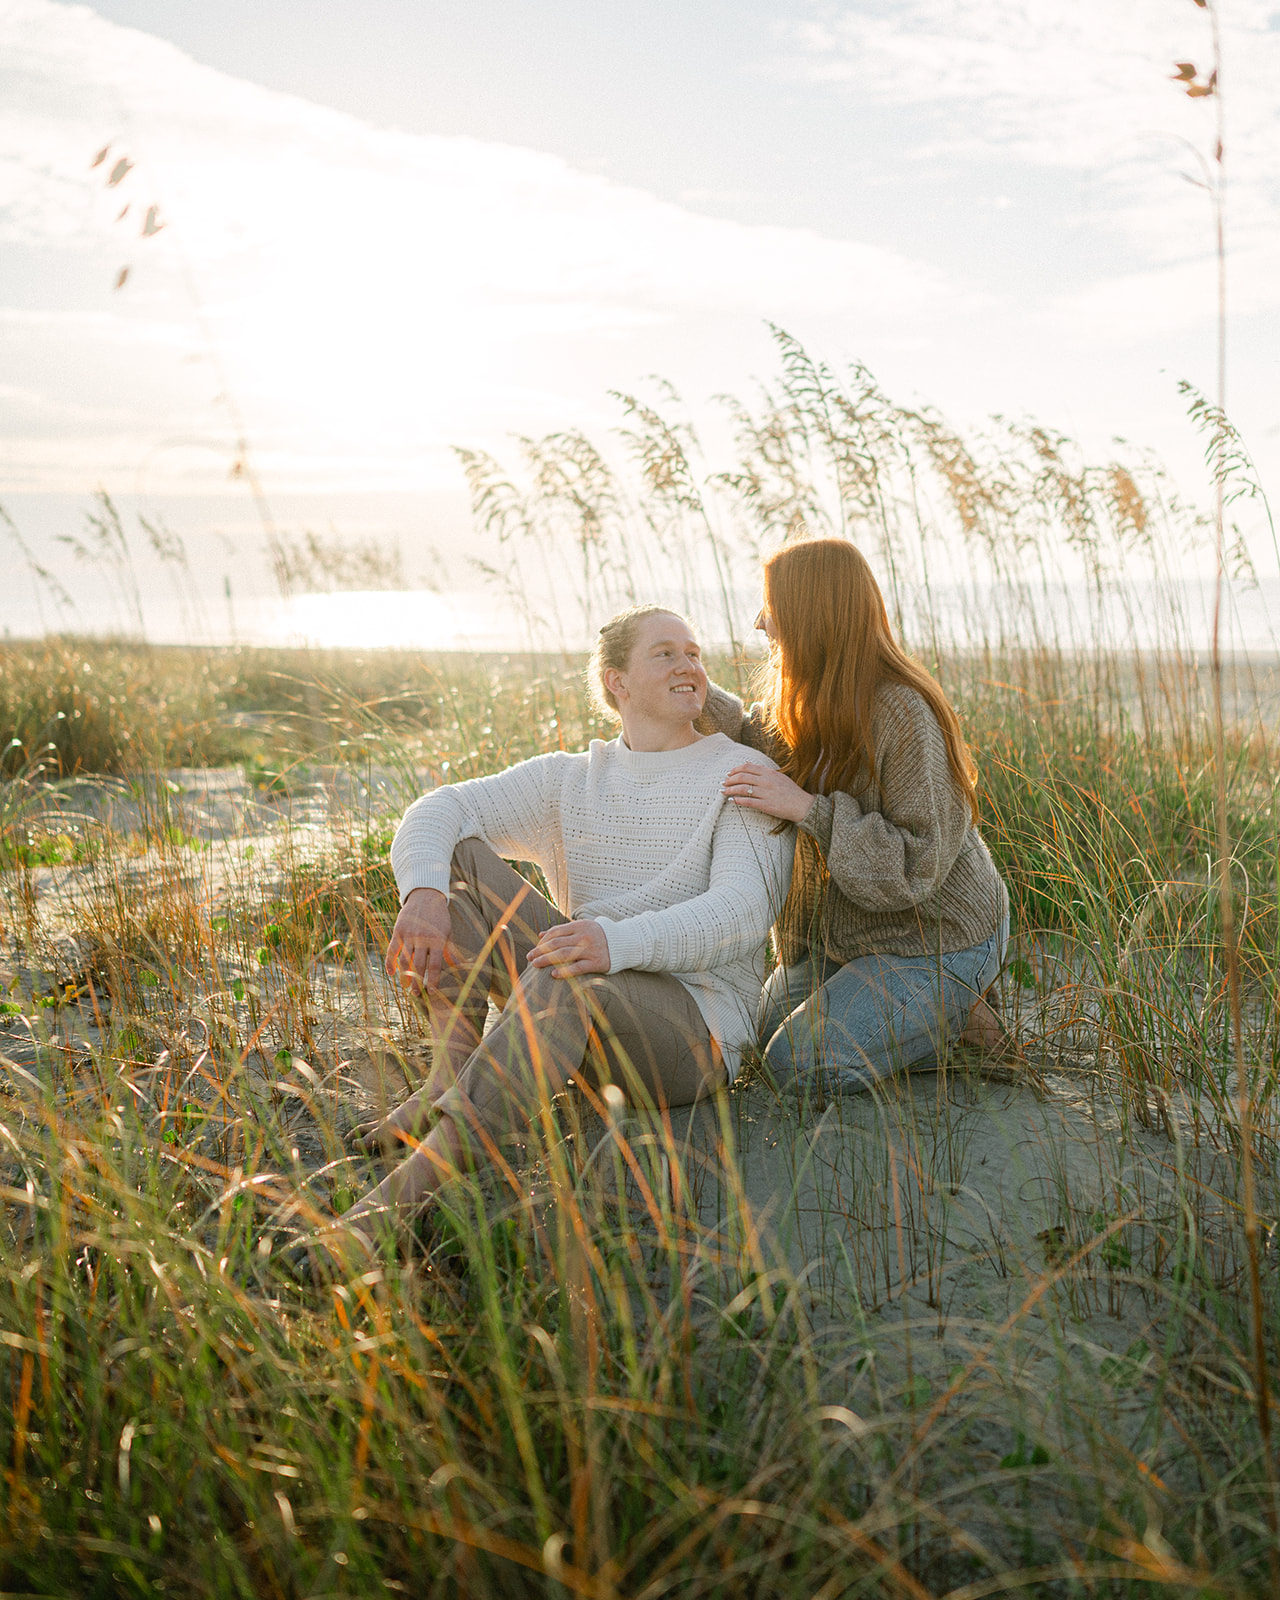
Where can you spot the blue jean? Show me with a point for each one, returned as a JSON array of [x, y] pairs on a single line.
[[844, 1028]]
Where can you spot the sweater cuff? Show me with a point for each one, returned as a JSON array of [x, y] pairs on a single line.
[[818, 819], [626, 945], [423, 875]]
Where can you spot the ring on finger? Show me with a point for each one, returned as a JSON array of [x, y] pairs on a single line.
[[751, 790]]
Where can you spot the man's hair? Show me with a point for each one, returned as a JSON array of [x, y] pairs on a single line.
[[614, 644]]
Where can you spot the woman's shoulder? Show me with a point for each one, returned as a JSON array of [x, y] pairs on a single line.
[[900, 712], [899, 700]]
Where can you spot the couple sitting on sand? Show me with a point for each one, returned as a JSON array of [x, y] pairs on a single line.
[[839, 812]]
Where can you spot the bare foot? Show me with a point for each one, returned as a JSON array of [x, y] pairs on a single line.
[[984, 1031], [400, 1130], [393, 1135], [339, 1249], [390, 1137], [998, 1056], [410, 1186]]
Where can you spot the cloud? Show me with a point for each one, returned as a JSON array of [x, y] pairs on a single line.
[[1084, 87], [355, 300], [361, 287]]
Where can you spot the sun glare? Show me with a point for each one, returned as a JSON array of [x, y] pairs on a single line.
[[380, 619]]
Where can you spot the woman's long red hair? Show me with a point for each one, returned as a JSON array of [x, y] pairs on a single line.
[[832, 649]]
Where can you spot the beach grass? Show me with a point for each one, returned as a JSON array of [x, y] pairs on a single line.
[[584, 1385], [968, 1338]]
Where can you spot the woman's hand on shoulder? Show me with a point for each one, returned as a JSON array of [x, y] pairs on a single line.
[[759, 788]]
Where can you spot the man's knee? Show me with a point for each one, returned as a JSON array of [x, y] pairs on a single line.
[[542, 1000], [472, 859], [496, 893]]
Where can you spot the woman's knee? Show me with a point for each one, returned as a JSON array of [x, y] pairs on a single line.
[[839, 1062], [856, 1029], [798, 1043], [785, 989]]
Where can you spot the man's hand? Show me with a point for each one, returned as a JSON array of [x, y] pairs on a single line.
[[419, 940], [572, 949]]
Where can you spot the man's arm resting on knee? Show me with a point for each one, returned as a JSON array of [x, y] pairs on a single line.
[[511, 811], [419, 939]]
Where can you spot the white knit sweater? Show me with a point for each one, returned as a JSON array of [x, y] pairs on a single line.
[[681, 880]]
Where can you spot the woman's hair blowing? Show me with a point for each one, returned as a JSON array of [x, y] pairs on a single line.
[[614, 644], [832, 650]]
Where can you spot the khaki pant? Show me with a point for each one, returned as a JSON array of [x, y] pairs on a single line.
[[640, 1030]]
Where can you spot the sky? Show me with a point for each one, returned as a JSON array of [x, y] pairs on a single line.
[[383, 231]]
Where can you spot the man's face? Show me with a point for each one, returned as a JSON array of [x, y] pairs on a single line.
[[665, 681]]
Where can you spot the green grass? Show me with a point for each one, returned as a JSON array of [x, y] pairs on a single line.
[[71, 706]]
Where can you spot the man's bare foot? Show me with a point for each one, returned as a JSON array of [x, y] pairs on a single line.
[[390, 1137], [340, 1249], [401, 1130], [410, 1186]]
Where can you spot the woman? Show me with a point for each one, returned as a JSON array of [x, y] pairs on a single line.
[[897, 920], [668, 890]]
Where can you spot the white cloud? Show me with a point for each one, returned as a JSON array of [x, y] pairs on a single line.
[[1085, 86], [369, 291], [366, 298]]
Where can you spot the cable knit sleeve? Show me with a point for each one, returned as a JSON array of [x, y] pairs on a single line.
[[894, 855], [724, 713], [512, 811], [748, 881], [721, 713]]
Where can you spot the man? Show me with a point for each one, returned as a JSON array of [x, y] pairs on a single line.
[[670, 889]]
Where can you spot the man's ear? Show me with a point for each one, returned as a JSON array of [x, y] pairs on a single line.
[[615, 683]]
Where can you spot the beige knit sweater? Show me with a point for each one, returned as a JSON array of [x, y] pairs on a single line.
[[899, 869]]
